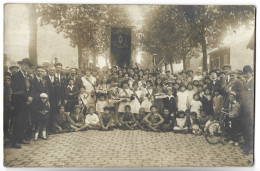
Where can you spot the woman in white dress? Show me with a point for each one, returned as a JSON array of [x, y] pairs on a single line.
[[124, 92], [136, 103], [89, 82], [148, 94]]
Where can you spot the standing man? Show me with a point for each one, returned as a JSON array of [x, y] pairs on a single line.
[[20, 85], [60, 84], [247, 118], [50, 81]]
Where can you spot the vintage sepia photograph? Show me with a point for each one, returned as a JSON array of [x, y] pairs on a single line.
[[101, 86]]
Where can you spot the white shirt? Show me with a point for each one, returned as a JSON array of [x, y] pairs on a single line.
[[91, 119], [51, 78], [195, 106]]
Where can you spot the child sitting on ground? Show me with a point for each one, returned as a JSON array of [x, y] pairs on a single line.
[[168, 121], [153, 121], [181, 123], [62, 121], [91, 120], [194, 124], [77, 118], [106, 119], [140, 118], [127, 120]]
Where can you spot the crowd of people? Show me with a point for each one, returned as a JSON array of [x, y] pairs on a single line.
[[40, 101]]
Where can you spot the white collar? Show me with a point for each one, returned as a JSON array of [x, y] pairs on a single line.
[[70, 86], [170, 96]]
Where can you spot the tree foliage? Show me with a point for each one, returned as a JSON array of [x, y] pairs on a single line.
[[178, 32], [85, 25]]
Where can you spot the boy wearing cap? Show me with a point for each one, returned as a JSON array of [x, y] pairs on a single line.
[[43, 109], [232, 122]]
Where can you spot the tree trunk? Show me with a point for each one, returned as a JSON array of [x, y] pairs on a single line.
[[184, 63], [204, 52], [80, 64], [33, 34], [171, 65]]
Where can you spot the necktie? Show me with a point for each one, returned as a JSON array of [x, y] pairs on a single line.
[[27, 82]]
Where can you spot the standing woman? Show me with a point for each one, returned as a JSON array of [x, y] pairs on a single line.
[[159, 89], [136, 102], [124, 92], [148, 96], [89, 82]]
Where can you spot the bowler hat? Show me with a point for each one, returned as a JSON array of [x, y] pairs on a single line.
[[247, 69]]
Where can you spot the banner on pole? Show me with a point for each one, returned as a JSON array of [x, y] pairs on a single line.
[[120, 46]]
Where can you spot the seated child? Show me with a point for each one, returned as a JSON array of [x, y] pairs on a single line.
[[127, 120], [43, 109], [106, 119], [194, 124], [153, 121], [181, 123], [140, 118], [91, 120], [169, 119], [77, 118], [62, 121], [202, 118]]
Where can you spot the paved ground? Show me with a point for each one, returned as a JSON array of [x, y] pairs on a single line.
[[124, 149]]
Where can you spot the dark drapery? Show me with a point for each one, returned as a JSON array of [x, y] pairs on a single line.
[[120, 51]]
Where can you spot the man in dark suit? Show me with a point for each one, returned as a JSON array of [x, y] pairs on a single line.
[[50, 80], [60, 84], [247, 118], [38, 86], [73, 75], [20, 85]]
